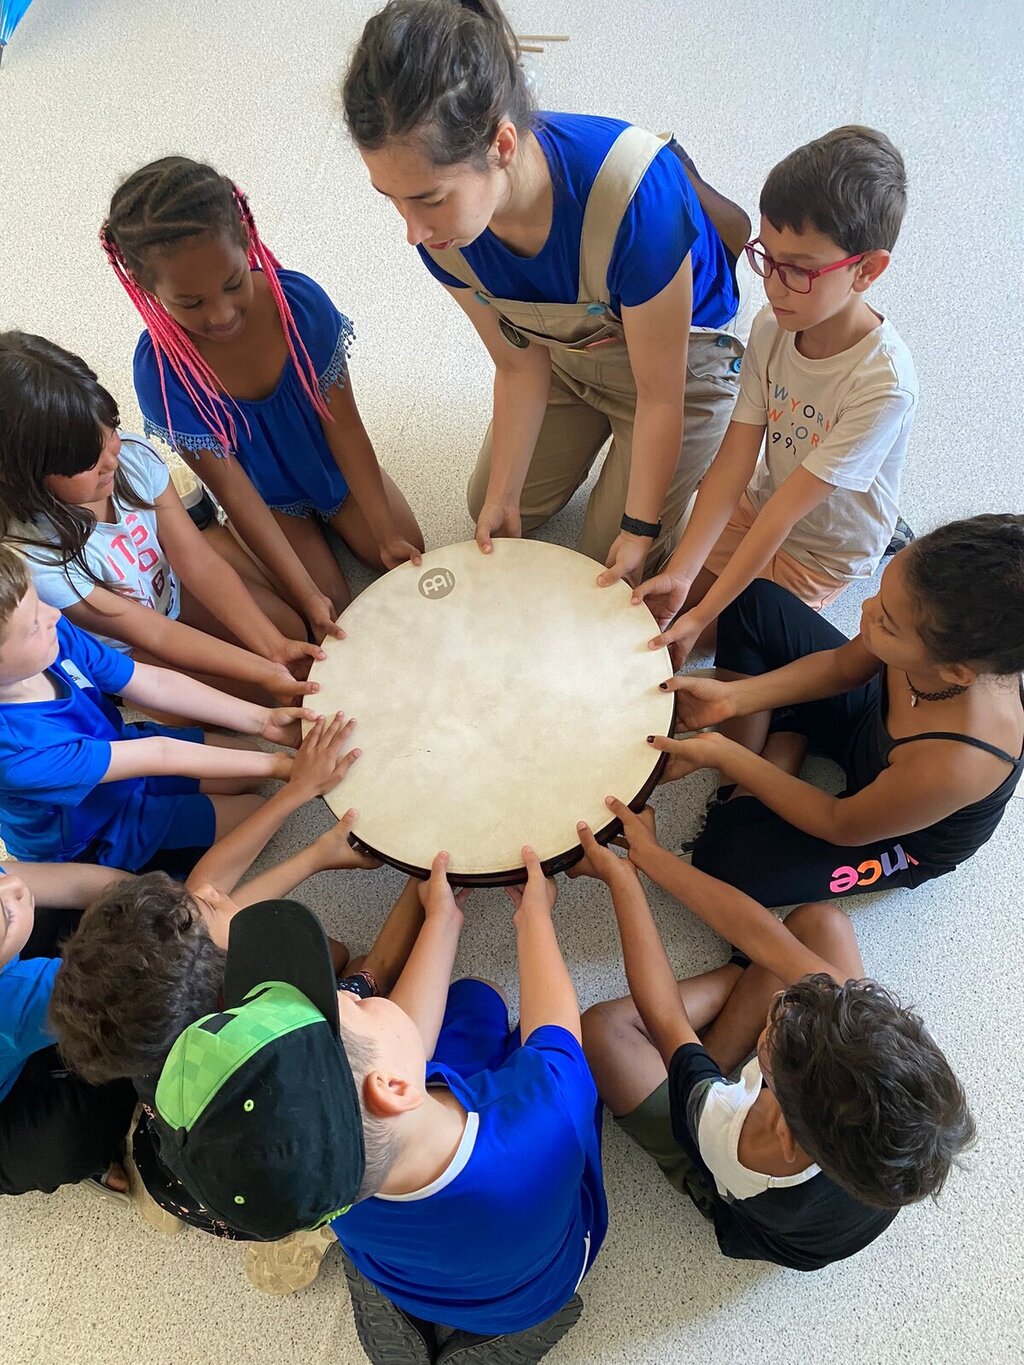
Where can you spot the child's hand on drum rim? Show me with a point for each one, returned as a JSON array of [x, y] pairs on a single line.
[[686, 756], [701, 702], [283, 724], [539, 893], [638, 829], [337, 852], [599, 861], [436, 895], [322, 759]]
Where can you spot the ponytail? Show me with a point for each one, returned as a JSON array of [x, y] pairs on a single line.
[[438, 71]]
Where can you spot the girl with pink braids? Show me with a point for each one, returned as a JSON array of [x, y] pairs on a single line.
[[243, 370]]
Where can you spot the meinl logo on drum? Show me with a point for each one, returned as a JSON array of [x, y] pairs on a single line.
[[436, 584]]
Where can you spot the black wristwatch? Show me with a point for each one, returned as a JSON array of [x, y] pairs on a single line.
[[635, 527]]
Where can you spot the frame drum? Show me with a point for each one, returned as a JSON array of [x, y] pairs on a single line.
[[498, 700]]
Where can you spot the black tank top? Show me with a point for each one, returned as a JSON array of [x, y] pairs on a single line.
[[952, 840]]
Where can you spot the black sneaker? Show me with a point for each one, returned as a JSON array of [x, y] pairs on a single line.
[[518, 1348], [901, 538], [387, 1334]]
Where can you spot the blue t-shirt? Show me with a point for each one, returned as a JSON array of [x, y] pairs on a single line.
[[502, 1238], [25, 990], [663, 222], [53, 755], [281, 444]]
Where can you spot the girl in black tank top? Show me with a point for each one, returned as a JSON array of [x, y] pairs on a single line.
[[923, 710]]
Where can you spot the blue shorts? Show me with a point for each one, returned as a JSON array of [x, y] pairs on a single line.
[[475, 1035], [174, 814]]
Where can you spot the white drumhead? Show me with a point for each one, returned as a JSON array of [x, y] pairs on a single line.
[[498, 699]]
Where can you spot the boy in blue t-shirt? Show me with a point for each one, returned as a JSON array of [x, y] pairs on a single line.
[[466, 1189], [77, 783], [846, 1111]]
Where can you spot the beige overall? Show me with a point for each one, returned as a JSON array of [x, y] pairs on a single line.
[[593, 392]]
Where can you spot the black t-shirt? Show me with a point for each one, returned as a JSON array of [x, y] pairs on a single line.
[[804, 1223]]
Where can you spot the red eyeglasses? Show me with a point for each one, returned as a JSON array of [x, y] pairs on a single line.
[[794, 277]]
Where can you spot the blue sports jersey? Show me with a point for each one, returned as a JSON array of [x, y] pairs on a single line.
[[53, 755], [502, 1238], [664, 221]]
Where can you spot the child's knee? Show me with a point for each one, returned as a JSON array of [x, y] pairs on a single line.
[[817, 922], [607, 1025]]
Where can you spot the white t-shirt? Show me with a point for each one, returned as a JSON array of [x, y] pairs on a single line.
[[846, 419], [125, 553], [722, 1116]]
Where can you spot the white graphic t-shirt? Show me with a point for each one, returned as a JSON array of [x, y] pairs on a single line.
[[125, 554], [846, 419]]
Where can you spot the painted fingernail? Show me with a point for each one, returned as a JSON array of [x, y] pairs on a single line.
[[650, 739], [663, 686]]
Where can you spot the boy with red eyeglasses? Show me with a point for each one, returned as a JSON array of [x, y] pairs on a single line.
[[826, 386]]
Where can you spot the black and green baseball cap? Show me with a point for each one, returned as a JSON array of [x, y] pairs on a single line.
[[258, 1113]]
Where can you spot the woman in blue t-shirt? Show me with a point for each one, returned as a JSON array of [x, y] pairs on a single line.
[[595, 264]]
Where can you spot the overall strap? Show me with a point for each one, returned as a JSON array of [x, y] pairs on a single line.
[[452, 260], [959, 739], [610, 196]]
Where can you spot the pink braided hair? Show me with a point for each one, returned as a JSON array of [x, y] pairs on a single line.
[[173, 346]]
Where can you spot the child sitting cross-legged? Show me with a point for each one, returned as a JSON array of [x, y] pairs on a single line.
[[395, 1120], [79, 784], [846, 1109]]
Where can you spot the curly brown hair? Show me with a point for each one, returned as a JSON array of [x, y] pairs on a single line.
[[866, 1090], [140, 967]]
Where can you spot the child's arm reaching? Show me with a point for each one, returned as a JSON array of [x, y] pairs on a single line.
[[255, 524], [546, 992], [422, 989], [798, 495], [161, 689], [159, 756], [320, 764], [652, 982], [731, 914], [355, 456], [913, 792], [331, 852], [214, 583], [64, 886], [110, 613], [720, 490]]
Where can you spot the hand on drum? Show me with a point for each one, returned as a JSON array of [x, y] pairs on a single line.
[[394, 549], [626, 559], [639, 830], [539, 893], [282, 724], [339, 853], [321, 616], [701, 702], [436, 895], [598, 861], [497, 519], [665, 595], [323, 759], [686, 756]]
